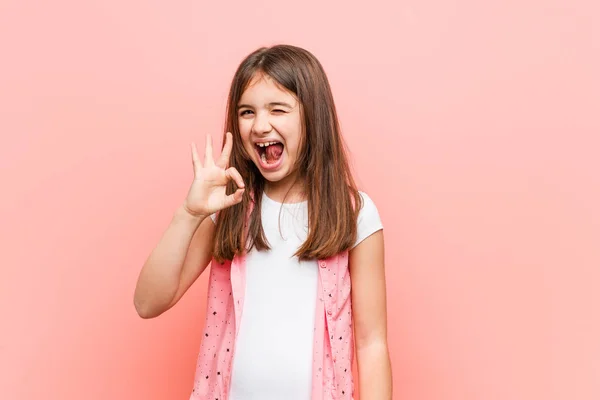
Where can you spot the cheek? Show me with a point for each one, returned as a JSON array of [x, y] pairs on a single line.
[[291, 132], [293, 143], [244, 129], [247, 145]]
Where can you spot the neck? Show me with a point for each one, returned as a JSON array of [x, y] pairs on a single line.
[[286, 191]]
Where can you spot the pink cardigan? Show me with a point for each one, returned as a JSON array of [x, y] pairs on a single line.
[[333, 349]]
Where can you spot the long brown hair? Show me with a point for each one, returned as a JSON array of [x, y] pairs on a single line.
[[333, 198]]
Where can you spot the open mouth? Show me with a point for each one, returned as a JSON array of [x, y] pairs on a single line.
[[269, 152]]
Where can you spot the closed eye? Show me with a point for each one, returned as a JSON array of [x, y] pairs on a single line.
[[248, 112]]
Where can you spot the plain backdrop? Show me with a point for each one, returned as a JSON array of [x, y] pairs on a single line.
[[473, 125]]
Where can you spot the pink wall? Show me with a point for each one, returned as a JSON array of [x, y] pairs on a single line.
[[474, 126]]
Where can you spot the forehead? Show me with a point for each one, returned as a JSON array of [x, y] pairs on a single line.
[[264, 89]]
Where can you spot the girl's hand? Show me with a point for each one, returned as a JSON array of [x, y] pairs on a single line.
[[207, 193]]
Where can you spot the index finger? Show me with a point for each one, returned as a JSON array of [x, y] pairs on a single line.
[[223, 161]]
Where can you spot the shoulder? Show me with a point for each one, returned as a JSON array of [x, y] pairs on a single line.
[[369, 220], [368, 209]]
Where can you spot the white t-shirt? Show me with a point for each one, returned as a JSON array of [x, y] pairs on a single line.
[[273, 352]]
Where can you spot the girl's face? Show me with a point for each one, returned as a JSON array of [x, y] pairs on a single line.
[[270, 126]]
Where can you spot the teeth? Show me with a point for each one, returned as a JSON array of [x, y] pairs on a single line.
[[263, 157], [267, 144]]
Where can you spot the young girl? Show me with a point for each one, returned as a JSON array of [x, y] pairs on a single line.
[[297, 278]]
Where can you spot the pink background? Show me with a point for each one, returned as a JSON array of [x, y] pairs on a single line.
[[474, 125]]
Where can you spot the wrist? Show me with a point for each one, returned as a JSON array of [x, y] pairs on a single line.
[[183, 212]]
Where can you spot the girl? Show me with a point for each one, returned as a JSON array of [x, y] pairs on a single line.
[[287, 231]]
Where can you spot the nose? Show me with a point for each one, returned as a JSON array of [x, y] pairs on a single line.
[[261, 124]]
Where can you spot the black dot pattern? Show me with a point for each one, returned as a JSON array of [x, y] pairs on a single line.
[[215, 354], [334, 347]]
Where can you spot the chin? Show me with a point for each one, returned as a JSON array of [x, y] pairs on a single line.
[[280, 174], [275, 176]]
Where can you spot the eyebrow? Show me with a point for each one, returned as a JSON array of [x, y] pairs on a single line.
[[276, 103]]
